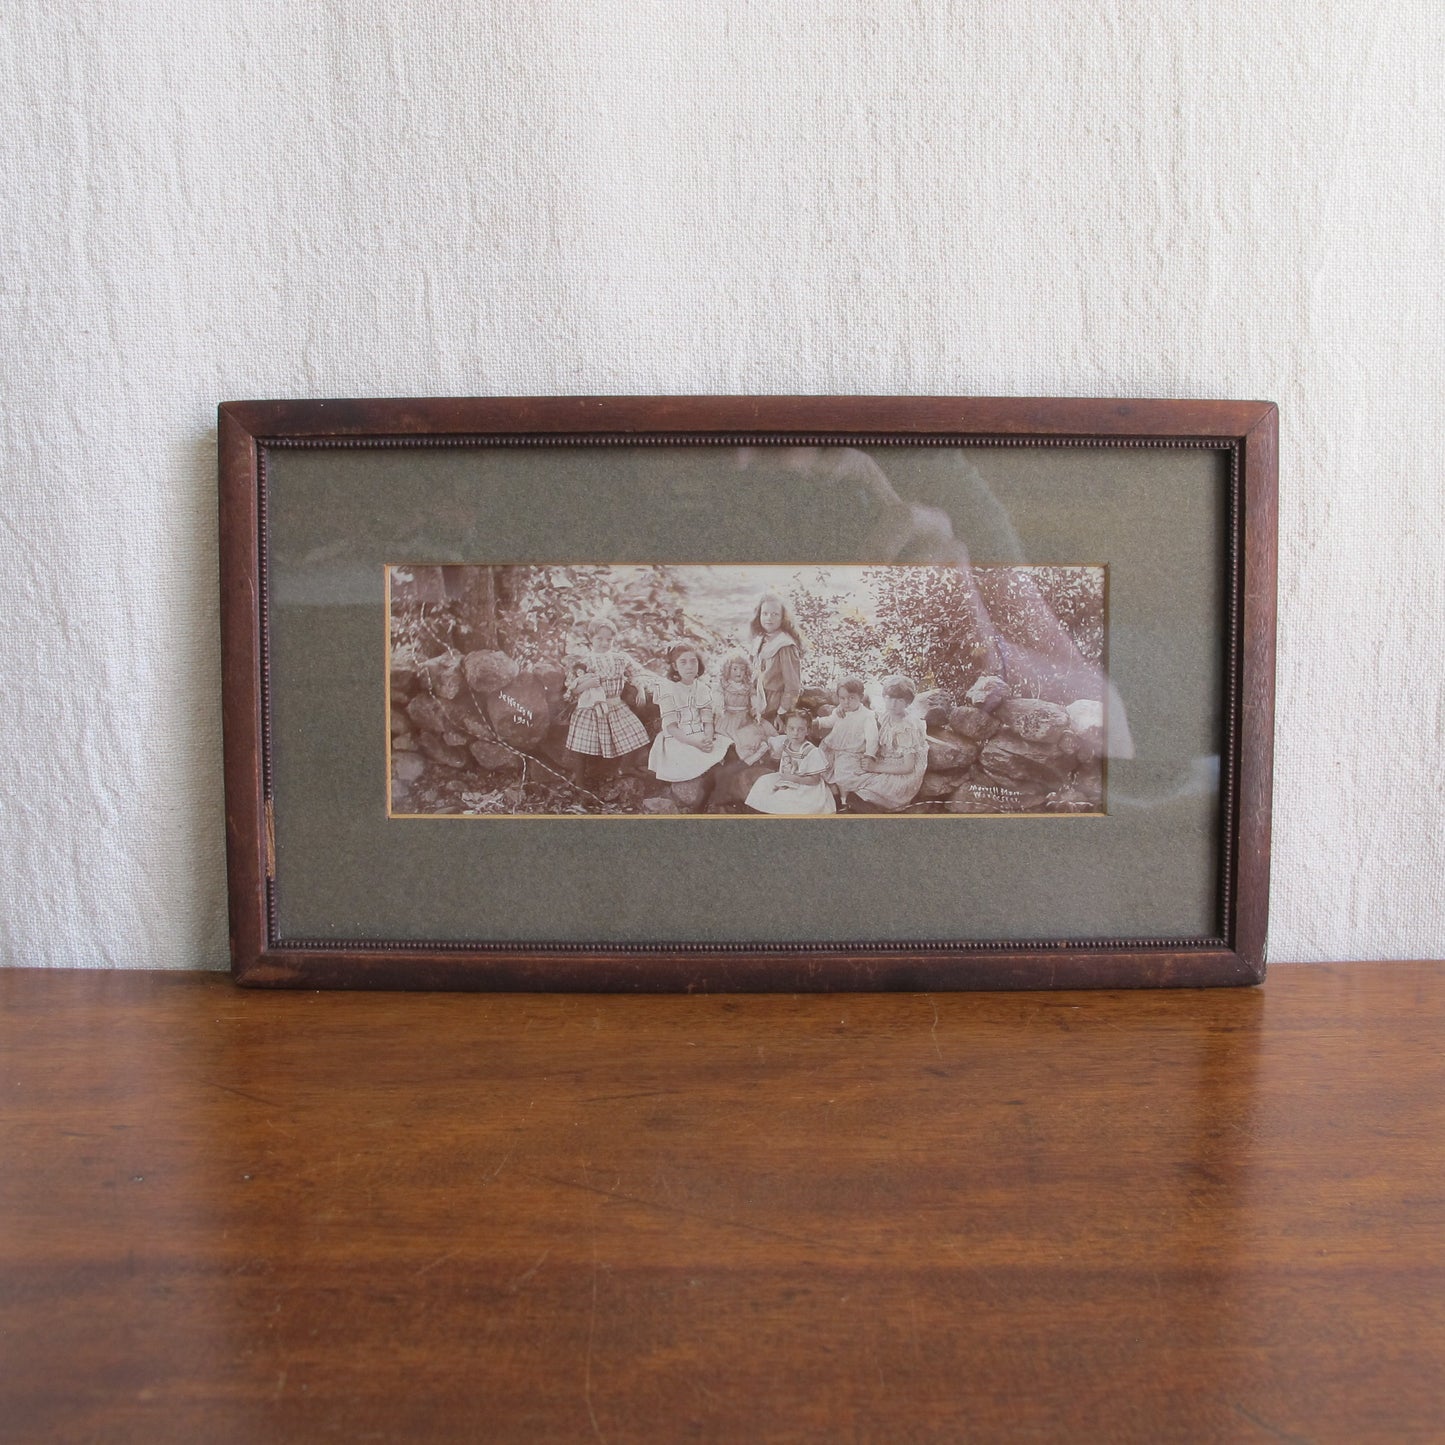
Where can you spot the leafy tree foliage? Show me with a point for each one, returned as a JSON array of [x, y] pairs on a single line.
[[1042, 628], [536, 614], [840, 638]]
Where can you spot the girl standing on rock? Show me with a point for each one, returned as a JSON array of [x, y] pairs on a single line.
[[776, 650], [689, 743], [606, 729], [892, 779]]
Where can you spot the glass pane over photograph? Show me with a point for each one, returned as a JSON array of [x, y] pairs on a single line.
[[459, 752]]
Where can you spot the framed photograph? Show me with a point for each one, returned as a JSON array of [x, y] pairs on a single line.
[[748, 693]]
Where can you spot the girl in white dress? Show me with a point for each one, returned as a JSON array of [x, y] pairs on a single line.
[[892, 779], [852, 736], [797, 787], [689, 743]]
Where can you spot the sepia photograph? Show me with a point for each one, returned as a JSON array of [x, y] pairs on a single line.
[[746, 691]]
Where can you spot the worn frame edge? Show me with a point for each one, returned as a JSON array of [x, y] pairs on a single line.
[[1254, 755], [247, 861]]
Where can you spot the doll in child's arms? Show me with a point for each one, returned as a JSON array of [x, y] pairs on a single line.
[[585, 686]]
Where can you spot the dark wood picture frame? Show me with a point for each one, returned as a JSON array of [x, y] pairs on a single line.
[[1246, 431]]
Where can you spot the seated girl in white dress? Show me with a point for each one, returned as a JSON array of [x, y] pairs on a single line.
[[798, 786], [892, 779], [689, 743]]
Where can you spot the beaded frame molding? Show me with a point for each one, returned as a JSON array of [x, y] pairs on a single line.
[[1245, 432]]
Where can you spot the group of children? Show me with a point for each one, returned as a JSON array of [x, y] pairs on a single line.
[[865, 762]]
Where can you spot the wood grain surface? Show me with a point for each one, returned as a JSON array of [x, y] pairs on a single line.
[[237, 1215]]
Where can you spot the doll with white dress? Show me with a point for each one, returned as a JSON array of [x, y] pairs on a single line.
[[736, 685], [586, 686]]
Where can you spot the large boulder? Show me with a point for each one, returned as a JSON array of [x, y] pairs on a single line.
[[430, 714], [973, 723], [404, 680], [554, 684], [1020, 763], [931, 700], [442, 752], [460, 717], [492, 755], [1085, 715], [406, 768], [1032, 719], [692, 794], [488, 672], [732, 782], [949, 752], [442, 676], [939, 785], [987, 693], [519, 712]]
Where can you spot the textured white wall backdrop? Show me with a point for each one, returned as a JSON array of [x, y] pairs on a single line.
[[211, 199]]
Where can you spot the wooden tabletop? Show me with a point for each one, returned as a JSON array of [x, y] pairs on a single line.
[[234, 1215]]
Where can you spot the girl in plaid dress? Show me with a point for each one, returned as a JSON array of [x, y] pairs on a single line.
[[606, 729]]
